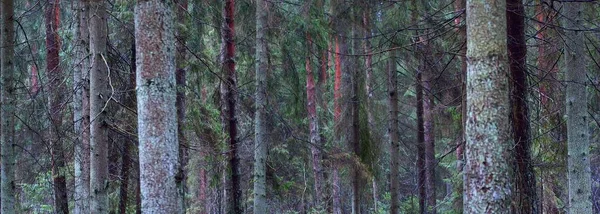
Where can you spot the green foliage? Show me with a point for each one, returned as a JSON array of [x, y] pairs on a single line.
[[38, 194]]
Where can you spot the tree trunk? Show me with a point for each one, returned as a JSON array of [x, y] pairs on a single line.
[[394, 133], [579, 172], [156, 97], [99, 98], [233, 195], [180, 103], [429, 136], [261, 138], [130, 102], [420, 144], [525, 190], [8, 96], [55, 99], [488, 174], [81, 110]]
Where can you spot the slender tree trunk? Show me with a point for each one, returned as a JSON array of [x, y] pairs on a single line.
[[420, 144], [579, 172], [233, 195], [315, 135], [261, 138], [459, 6], [488, 173], [462, 31], [354, 106], [123, 189], [394, 133], [55, 99], [156, 97], [180, 103], [99, 98], [525, 190], [81, 110], [8, 96], [130, 103], [429, 137]]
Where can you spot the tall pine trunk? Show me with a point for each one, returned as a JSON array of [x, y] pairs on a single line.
[[525, 190], [55, 99], [156, 97], [81, 110], [579, 172], [8, 96], [99, 98], [488, 175], [394, 134], [233, 191], [261, 139]]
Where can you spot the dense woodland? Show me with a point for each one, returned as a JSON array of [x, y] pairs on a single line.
[[300, 106]]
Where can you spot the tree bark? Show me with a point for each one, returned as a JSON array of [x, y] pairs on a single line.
[[8, 96], [55, 99], [428, 123], [579, 172], [420, 144], [156, 97], [81, 110], [525, 190], [394, 133], [233, 190], [180, 103], [99, 98], [261, 138], [488, 175]]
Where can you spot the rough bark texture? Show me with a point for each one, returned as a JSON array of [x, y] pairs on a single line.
[[488, 174], [180, 103], [55, 102], [81, 110], [99, 98], [313, 126], [233, 192], [394, 133], [8, 153], [428, 130], [579, 173], [261, 139], [156, 96], [525, 191]]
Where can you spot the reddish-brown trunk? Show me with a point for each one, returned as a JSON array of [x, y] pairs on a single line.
[[517, 50], [55, 86], [315, 138], [337, 93], [234, 192]]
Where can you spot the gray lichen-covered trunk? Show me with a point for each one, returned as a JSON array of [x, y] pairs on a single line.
[[7, 93], [394, 134], [261, 139], [156, 95], [579, 173], [488, 156], [81, 110], [99, 98]]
